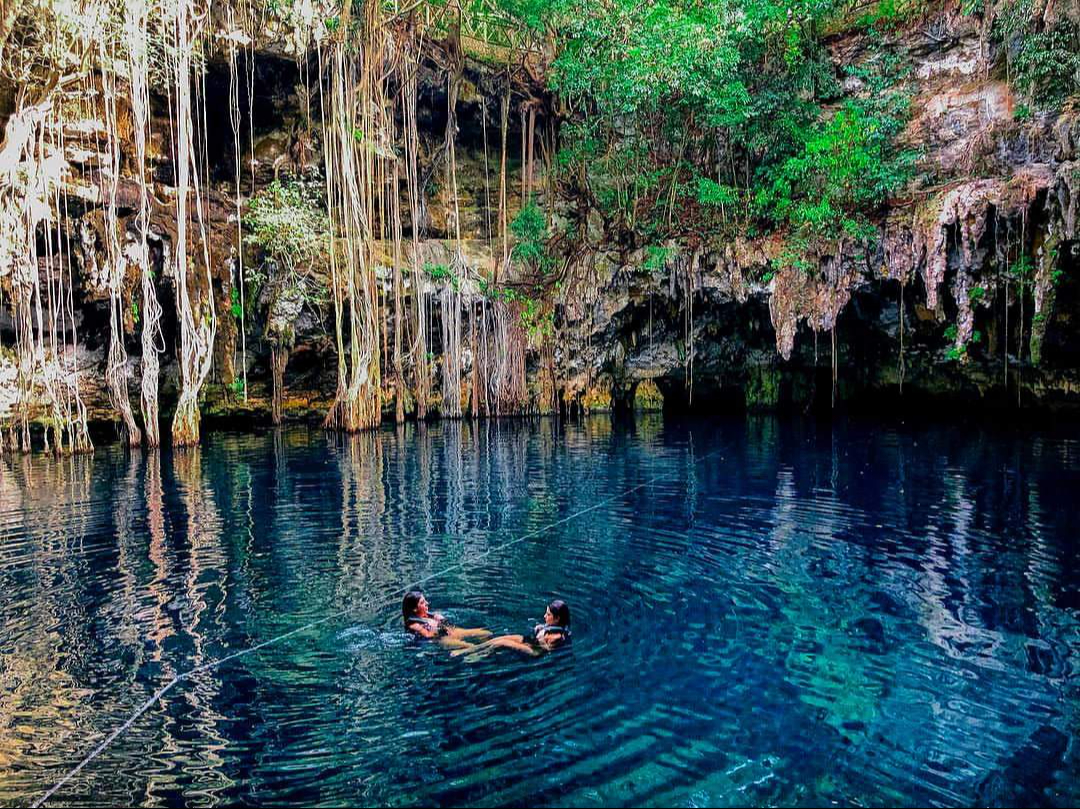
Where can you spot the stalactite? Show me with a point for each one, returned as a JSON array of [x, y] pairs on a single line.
[[419, 352], [22, 292], [483, 358], [451, 295], [504, 232], [450, 311], [399, 309], [547, 354], [508, 374], [48, 312], [1005, 338], [234, 122], [688, 322], [74, 418], [900, 363], [487, 177], [351, 192], [524, 156], [531, 156], [47, 372], [135, 31], [152, 341], [330, 167], [1021, 289], [116, 364], [474, 374], [198, 318], [549, 146], [279, 356]]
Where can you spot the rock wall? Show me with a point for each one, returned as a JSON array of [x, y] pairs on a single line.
[[970, 293]]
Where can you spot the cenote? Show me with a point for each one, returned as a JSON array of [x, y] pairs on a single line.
[[749, 329], [765, 611]]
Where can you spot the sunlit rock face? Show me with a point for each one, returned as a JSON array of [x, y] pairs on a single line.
[[924, 313], [933, 308]]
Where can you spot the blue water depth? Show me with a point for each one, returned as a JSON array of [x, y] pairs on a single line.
[[764, 612]]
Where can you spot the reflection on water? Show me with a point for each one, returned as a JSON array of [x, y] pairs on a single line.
[[786, 614]]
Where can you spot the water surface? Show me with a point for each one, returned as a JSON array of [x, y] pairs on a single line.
[[765, 612]]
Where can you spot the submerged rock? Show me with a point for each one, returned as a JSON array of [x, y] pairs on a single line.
[[1026, 777]]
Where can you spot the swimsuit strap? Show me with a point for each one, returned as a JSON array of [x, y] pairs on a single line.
[[546, 629]]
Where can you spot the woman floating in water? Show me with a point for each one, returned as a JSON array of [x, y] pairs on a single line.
[[554, 632], [420, 621]]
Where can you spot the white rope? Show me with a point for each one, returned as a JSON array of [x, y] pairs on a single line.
[[389, 600]]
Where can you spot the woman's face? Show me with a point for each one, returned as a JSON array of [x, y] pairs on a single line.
[[549, 619], [422, 607]]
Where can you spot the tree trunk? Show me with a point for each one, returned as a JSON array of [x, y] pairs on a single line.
[[279, 356], [185, 426]]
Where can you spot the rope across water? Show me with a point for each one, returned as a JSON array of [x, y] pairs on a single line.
[[390, 599]]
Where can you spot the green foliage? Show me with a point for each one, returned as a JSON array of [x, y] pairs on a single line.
[[656, 258], [1043, 58], [714, 195], [581, 145], [530, 230], [1023, 270], [888, 14], [976, 294], [634, 58], [441, 272], [537, 318], [844, 171], [694, 115], [534, 14], [235, 306], [286, 220], [135, 312], [885, 12], [959, 353]]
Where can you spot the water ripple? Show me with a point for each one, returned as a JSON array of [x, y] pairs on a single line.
[[784, 615]]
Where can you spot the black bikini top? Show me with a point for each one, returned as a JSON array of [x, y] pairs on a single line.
[[543, 630], [433, 624]]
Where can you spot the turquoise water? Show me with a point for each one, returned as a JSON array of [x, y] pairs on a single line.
[[764, 612]]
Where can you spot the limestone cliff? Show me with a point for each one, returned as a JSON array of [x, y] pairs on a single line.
[[969, 292]]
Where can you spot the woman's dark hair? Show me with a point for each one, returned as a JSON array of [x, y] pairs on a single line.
[[561, 612], [410, 603]]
